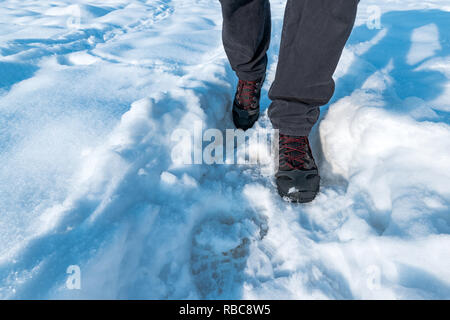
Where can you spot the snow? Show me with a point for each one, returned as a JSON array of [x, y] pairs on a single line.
[[425, 43], [91, 93]]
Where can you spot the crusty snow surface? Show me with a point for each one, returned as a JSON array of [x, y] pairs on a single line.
[[90, 94]]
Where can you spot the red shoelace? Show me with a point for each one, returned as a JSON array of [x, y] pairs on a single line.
[[293, 151], [246, 94]]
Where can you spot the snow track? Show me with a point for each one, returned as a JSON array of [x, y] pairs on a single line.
[[90, 94]]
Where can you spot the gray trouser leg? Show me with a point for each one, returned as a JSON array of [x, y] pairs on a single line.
[[246, 36], [314, 35]]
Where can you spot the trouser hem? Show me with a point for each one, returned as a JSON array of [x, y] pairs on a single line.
[[249, 76]]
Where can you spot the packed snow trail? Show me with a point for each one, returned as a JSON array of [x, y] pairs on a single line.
[[90, 94]]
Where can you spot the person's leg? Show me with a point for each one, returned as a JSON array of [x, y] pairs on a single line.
[[314, 35], [246, 36]]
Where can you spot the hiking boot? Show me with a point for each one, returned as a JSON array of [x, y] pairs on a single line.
[[297, 177], [246, 103]]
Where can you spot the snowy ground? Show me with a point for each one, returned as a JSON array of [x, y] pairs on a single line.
[[90, 92]]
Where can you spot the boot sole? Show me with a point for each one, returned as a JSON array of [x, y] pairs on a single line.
[[244, 120], [306, 185], [299, 197]]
